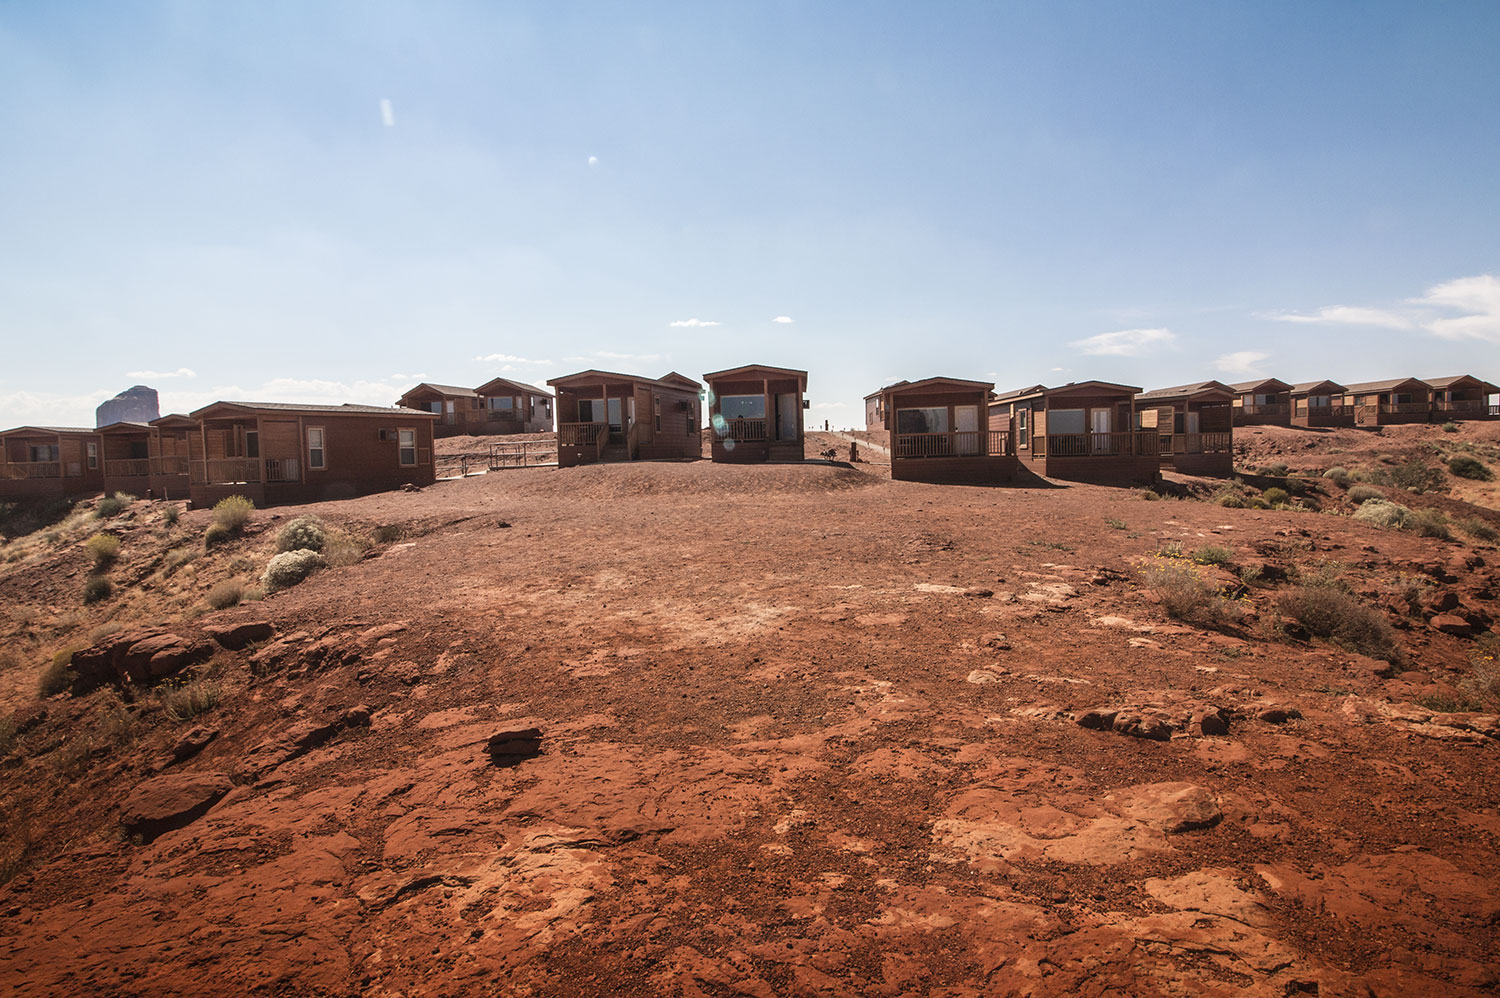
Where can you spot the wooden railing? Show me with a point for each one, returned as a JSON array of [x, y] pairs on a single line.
[[955, 443], [1405, 406], [1324, 411], [1202, 443], [1461, 405], [1101, 444], [581, 434], [282, 470], [227, 471], [128, 467], [743, 429], [1269, 409], [633, 441], [33, 469], [169, 466]]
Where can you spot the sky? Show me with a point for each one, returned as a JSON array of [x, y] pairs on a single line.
[[330, 202]]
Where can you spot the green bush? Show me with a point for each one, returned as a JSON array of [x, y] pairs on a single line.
[[58, 675], [1479, 529], [1339, 477], [1186, 597], [217, 534], [111, 506], [232, 513], [1382, 513], [305, 533], [1429, 523], [1213, 554], [105, 548], [289, 568], [1275, 496], [183, 702], [1450, 427], [1230, 500], [1364, 493], [97, 588], [225, 594], [1277, 470], [1472, 468], [171, 514], [1415, 475], [1329, 612]]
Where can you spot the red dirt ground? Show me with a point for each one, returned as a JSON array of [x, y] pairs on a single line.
[[805, 731]]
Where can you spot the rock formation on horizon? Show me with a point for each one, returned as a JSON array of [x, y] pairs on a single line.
[[136, 405]]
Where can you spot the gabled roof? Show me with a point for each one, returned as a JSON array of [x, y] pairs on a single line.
[[881, 391], [682, 379], [516, 386], [1072, 387], [174, 419], [1252, 387], [1384, 386], [348, 408], [49, 429], [455, 390], [1453, 379], [1185, 391], [124, 426], [759, 370], [593, 376], [907, 386], [1308, 387]]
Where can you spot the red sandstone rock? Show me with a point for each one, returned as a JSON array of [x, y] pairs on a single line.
[[164, 803]]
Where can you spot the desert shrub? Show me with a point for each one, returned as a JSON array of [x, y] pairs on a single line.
[[1479, 529], [389, 533], [1275, 496], [97, 588], [178, 557], [1171, 549], [1115, 524], [171, 515], [343, 549], [1278, 470], [105, 548], [1251, 575], [254, 594], [1364, 493], [1213, 554], [232, 513], [225, 594], [1415, 475], [1150, 495], [1295, 486], [1429, 523], [1383, 513], [1482, 684], [1257, 502], [1186, 597], [1329, 612], [289, 568], [58, 675], [1324, 575], [1450, 427], [1339, 477], [1466, 466], [305, 533], [1229, 500], [104, 630], [111, 506], [217, 534], [185, 701]]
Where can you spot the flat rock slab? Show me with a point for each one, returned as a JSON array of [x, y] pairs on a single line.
[[165, 803], [513, 747], [237, 636]]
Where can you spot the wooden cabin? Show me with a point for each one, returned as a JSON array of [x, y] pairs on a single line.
[[755, 413], [606, 416], [1081, 431], [939, 432], [507, 406], [875, 421], [50, 462], [171, 441], [148, 459], [1384, 403], [1195, 426], [458, 409], [1320, 404], [276, 452], [1461, 396], [1266, 402]]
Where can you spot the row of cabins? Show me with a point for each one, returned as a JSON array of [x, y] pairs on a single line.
[[1272, 402], [499, 406], [269, 452]]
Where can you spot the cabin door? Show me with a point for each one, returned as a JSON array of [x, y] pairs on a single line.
[[966, 422], [1101, 423], [786, 416]]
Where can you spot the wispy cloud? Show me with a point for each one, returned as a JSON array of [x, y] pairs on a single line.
[[1348, 315], [387, 112], [1124, 342], [593, 161], [691, 323], [181, 372], [1243, 362], [783, 319], [507, 358]]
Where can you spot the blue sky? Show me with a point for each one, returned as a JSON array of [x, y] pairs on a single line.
[[330, 202]]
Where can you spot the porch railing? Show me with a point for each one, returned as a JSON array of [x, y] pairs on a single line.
[[169, 466], [743, 428], [128, 467], [1460, 405], [1269, 409], [227, 471], [1404, 406], [581, 434], [954, 443], [1202, 443], [633, 440], [1325, 411], [33, 469], [1101, 444], [282, 470]]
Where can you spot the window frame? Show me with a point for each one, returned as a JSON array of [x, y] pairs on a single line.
[[322, 463], [1023, 432], [91, 453], [400, 447]]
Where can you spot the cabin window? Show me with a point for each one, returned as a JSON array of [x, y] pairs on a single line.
[[93, 452], [692, 421], [1263, 399], [742, 406], [1320, 401], [252, 443], [406, 448], [506, 404], [317, 456], [586, 411], [44, 452], [656, 403], [1023, 434], [933, 420], [1065, 421]]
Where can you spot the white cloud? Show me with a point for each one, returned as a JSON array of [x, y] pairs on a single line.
[[387, 112], [593, 161], [1348, 315], [691, 323], [1244, 362], [1058, 370], [507, 358], [181, 372], [1125, 342], [783, 319], [1477, 296]]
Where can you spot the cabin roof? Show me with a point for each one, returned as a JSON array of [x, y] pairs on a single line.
[[1108, 387], [1307, 387], [761, 370], [1249, 387], [519, 386], [594, 376], [49, 429], [174, 419], [348, 408], [1453, 379], [907, 386], [457, 391], [125, 426], [1385, 386]]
